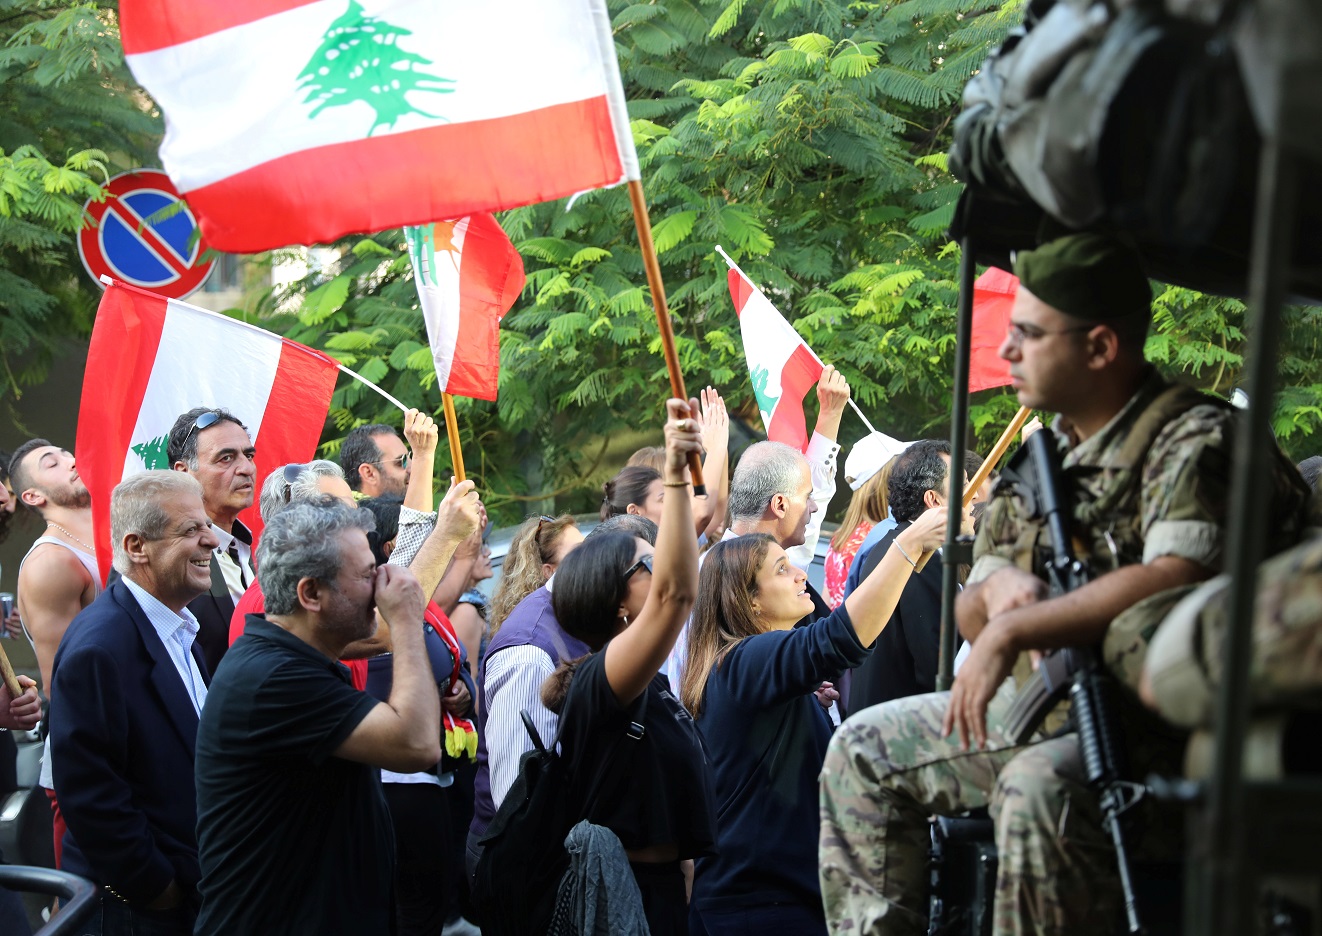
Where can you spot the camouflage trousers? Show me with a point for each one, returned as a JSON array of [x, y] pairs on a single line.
[[888, 769]]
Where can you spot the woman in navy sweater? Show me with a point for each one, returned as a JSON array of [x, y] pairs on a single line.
[[749, 681]]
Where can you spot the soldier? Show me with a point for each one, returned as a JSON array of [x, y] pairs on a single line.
[[1183, 668], [1146, 468]]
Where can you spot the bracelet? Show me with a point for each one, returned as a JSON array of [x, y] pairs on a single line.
[[906, 555], [675, 483]]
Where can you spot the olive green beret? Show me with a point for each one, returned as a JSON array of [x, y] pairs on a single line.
[[1088, 276]]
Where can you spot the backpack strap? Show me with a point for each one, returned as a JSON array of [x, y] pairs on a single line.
[[532, 732]]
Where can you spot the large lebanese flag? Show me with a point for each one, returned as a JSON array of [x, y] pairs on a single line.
[[468, 276], [299, 121], [993, 297], [781, 366], [152, 359]]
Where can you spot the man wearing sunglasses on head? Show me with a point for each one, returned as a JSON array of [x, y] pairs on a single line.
[[213, 446]]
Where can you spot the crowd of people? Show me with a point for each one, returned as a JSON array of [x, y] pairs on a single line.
[[327, 728]]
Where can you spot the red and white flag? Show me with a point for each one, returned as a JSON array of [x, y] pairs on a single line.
[[468, 276], [780, 364], [152, 359], [993, 297], [299, 121]]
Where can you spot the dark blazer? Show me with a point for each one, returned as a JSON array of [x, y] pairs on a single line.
[[122, 731], [903, 660], [215, 608]]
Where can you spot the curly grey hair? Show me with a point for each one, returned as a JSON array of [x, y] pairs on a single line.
[[277, 493], [765, 470], [135, 507], [301, 542]]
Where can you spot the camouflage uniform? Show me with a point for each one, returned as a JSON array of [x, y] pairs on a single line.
[[1152, 483], [1186, 656]]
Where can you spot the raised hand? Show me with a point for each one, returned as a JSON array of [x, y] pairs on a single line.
[[927, 533], [421, 433], [715, 421], [683, 436], [460, 513]]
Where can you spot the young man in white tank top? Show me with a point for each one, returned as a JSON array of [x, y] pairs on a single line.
[[58, 576]]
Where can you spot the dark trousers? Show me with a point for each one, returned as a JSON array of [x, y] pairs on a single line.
[[116, 918], [664, 902], [784, 919], [424, 879]]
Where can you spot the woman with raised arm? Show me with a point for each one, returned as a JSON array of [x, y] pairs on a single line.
[[621, 728], [749, 683]]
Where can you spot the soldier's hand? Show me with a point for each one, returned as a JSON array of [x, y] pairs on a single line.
[[399, 597], [1010, 588], [832, 390], [460, 512], [421, 433], [988, 665]]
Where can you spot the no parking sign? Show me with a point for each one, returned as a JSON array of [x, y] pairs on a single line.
[[157, 256]]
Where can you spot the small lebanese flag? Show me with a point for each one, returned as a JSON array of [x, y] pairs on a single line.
[[152, 359], [781, 366], [993, 297], [468, 276], [299, 121]]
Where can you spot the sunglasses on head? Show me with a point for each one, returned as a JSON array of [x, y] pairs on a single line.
[[644, 563], [205, 421], [291, 475], [542, 521]]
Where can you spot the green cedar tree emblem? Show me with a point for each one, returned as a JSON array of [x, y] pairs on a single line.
[[153, 453], [765, 403], [359, 59]]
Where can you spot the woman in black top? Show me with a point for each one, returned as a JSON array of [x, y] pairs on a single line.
[[749, 682], [619, 720]]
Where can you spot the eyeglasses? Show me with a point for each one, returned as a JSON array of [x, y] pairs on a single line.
[[541, 522], [205, 421], [292, 473], [1019, 333], [643, 563], [401, 461]]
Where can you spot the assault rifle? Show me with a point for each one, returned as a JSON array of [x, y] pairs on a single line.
[[1076, 671]]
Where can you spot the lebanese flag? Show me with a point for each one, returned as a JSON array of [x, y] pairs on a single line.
[[299, 121], [468, 276], [993, 297], [781, 366], [152, 358]]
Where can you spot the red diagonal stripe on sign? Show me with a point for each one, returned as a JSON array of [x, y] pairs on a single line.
[[143, 231]]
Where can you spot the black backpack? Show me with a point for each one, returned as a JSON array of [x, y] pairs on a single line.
[[523, 851]]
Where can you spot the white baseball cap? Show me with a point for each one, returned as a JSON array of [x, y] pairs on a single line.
[[868, 456]]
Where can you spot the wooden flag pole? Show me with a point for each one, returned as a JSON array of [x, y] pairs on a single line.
[[452, 433], [7, 671], [658, 288], [997, 452]]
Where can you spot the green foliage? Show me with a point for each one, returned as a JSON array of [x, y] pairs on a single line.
[[808, 138], [70, 116]]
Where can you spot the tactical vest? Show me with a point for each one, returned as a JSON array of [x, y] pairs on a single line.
[[1105, 497]]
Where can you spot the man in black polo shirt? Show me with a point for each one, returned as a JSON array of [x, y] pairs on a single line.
[[293, 832]]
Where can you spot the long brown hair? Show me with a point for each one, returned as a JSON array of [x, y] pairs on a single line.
[[868, 503], [521, 573], [723, 614]]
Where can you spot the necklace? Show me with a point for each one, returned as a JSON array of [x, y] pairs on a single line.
[[90, 549]]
